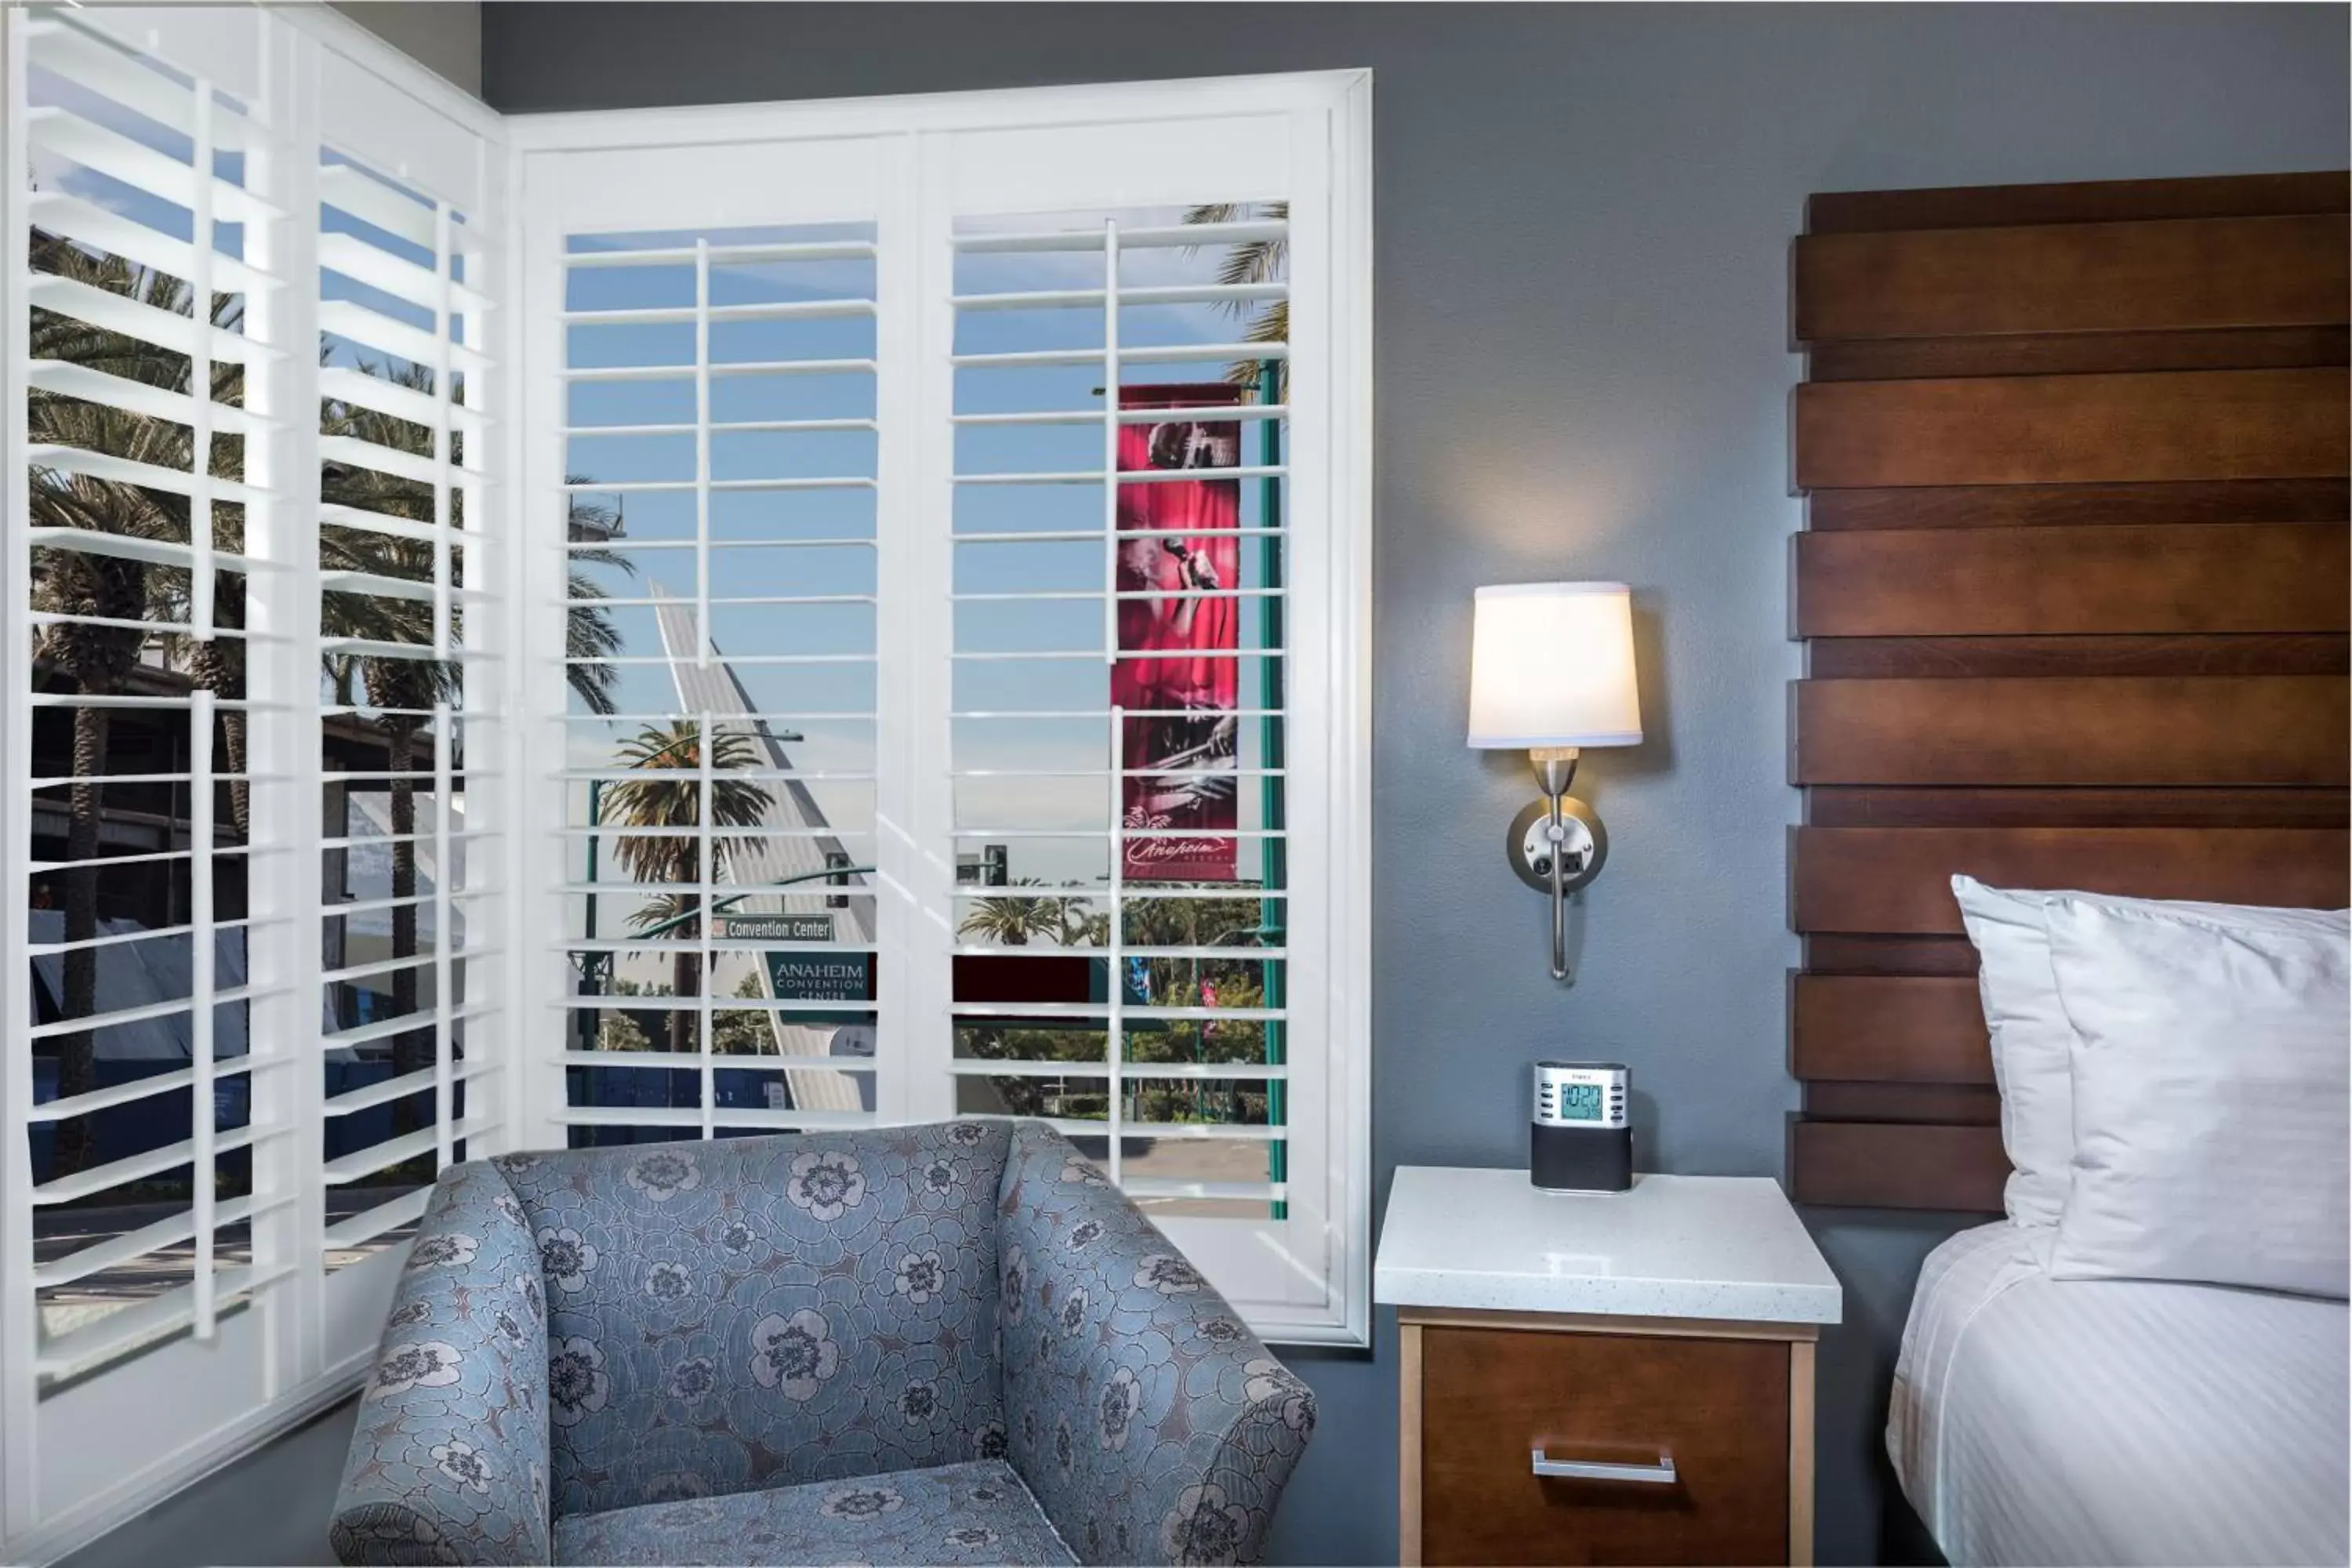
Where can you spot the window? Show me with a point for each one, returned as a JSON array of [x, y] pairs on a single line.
[[880, 634], [139, 843], [718, 530], [410, 713], [957, 508], [252, 590]]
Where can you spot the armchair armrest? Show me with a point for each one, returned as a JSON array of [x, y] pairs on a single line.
[[1151, 1426], [448, 1464]]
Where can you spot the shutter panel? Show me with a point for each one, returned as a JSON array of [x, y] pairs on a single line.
[[718, 530], [173, 1274], [136, 578], [1118, 711], [406, 563], [1151, 637]]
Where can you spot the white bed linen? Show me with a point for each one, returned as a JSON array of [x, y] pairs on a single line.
[[2045, 1421]]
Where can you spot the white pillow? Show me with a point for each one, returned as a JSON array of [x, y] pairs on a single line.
[[2033, 1043], [2213, 1062]]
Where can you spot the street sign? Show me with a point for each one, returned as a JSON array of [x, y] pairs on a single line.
[[776, 928], [821, 977]]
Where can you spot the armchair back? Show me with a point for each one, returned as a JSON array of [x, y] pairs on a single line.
[[756, 1312]]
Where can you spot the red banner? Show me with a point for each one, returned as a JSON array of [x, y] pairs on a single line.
[[1180, 703]]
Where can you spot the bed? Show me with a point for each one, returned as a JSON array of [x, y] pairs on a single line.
[[2035, 1420]]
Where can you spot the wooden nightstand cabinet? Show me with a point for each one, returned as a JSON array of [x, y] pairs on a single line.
[[1544, 1419]]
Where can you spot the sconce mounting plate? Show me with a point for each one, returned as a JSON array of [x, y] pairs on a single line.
[[1528, 844]]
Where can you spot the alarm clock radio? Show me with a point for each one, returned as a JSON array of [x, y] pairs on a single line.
[[1581, 1139]]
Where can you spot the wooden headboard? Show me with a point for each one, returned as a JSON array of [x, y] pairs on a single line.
[[2073, 593]]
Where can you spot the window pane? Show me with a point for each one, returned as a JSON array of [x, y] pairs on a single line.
[[727, 592]]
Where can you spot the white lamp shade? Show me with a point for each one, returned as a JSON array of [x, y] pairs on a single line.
[[1551, 664]]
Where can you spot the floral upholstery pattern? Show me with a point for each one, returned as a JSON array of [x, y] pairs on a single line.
[[757, 1312], [1150, 1424], [946, 1344], [977, 1513], [450, 1460]]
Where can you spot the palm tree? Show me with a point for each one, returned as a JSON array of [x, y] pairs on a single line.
[[665, 801], [1254, 261], [1011, 921]]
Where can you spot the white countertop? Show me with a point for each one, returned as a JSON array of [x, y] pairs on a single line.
[[1726, 1248]]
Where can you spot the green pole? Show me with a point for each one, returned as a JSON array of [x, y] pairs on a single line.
[[1271, 916]]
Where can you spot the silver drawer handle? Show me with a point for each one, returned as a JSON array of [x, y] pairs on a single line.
[[1660, 1474]]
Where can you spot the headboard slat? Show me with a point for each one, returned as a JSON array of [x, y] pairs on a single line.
[[1898, 881], [2144, 427], [2075, 581], [1888, 1028], [2045, 506], [2088, 201], [2074, 729], [1897, 1165], [2075, 805], [2074, 353], [2171, 274], [2179, 653]]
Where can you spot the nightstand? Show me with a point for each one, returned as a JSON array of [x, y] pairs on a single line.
[[1605, 1377]]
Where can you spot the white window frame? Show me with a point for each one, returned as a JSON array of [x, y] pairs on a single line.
[[1325, 118]]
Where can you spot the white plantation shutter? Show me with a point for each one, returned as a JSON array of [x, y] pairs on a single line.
[[929, 687], [1118, 719], [137, 565], [409, 739], [168, 1215], [718, 395]]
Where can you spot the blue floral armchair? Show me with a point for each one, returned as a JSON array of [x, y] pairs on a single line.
[[953, 1343]]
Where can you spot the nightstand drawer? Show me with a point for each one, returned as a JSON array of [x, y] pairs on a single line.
[[1715, 1410]]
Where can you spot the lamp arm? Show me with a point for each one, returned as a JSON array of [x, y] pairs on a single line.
[[1555, 769], [1559, 898]]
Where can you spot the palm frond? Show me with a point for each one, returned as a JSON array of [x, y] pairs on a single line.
[[1253, 261]]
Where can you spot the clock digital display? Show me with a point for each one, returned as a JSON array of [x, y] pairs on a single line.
[[1579, 1102]]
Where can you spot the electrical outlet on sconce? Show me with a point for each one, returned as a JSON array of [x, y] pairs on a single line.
[[1551, 672]]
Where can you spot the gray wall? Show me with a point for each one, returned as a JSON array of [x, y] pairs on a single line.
[[446, 35], [1583, 216]]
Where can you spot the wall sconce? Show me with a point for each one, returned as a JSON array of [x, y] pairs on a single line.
[[1551, 670]]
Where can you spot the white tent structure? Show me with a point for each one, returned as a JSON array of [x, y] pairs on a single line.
[[152, 971], [367, 867]]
